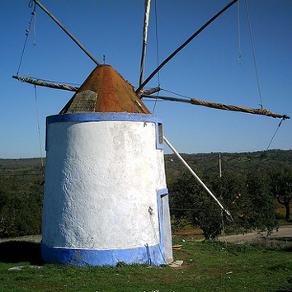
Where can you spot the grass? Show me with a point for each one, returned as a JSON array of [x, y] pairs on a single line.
[[208, 266]]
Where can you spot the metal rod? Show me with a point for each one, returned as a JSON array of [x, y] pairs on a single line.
[[221, 106], [183, 45], [220, 165], [144, 44], [195, 175], [38, 3]]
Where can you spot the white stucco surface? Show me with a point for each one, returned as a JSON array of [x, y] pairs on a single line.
[[101, 179]]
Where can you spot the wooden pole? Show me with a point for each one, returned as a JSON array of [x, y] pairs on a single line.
[[40, 82], [221, 106], [144, 44], [165, 61], [38, 3], [63, 86], [151, 90], [194, 101]]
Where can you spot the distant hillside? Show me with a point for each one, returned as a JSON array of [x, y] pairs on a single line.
[[20, 176], [22, 173], [237, 162]]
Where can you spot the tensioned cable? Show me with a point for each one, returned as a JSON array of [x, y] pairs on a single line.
[[27, 31], [34, 29], [252, 40], [238, 33], [38, 130], [175, 93], [275, 133]]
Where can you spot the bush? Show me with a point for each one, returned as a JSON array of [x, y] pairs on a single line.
[[20, 215]]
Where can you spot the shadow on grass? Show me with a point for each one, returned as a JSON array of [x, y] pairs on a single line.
[[288, 249], [20, 251]]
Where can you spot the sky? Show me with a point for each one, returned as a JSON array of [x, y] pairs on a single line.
[[217, 66]]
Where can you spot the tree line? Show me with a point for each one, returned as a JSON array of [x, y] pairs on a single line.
[[251, 185]]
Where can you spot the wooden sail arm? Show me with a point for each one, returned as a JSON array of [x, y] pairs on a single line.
[[144, 44], [175, 52], [63, 86], [73, 38], [44, 83], [221, 106], [193, 101]]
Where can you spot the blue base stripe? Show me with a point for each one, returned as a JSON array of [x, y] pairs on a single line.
[[81, 257]]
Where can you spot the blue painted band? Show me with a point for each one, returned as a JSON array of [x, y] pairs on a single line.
[[162, 192], [91, 117], [98, 117], [83, 257]]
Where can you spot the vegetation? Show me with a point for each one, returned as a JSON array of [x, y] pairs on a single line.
[[282, 188], [249, 199], [208, 266], [21, 191], [247, 187]]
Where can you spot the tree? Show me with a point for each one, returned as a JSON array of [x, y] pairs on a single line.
[[248, 198], [188, 199], [257, 207], [281, 183]]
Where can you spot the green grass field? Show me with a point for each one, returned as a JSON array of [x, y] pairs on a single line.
[[207, 267]]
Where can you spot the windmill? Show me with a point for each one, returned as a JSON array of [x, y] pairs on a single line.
[[106, 199]]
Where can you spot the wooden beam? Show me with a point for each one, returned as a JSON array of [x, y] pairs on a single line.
[[165, 61], [73, 38], [221, 106], [151, 90], [144, 43], [44, 83], [194, 101], [62, 86]]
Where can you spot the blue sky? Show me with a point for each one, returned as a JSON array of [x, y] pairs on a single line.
[[207, 69]]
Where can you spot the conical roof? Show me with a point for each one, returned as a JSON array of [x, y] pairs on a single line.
[[105, 90]]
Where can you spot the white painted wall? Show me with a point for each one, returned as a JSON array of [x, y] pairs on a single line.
[[101, 178]]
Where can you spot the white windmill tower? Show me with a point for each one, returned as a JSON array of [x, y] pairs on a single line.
[[105, 197]]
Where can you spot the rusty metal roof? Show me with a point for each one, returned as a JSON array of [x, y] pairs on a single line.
[[105, 90]]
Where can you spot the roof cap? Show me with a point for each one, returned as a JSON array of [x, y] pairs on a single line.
[[105, 90]]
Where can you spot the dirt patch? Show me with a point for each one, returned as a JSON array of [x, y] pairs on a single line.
[[27, 238], [279, 238], [195, 232]]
